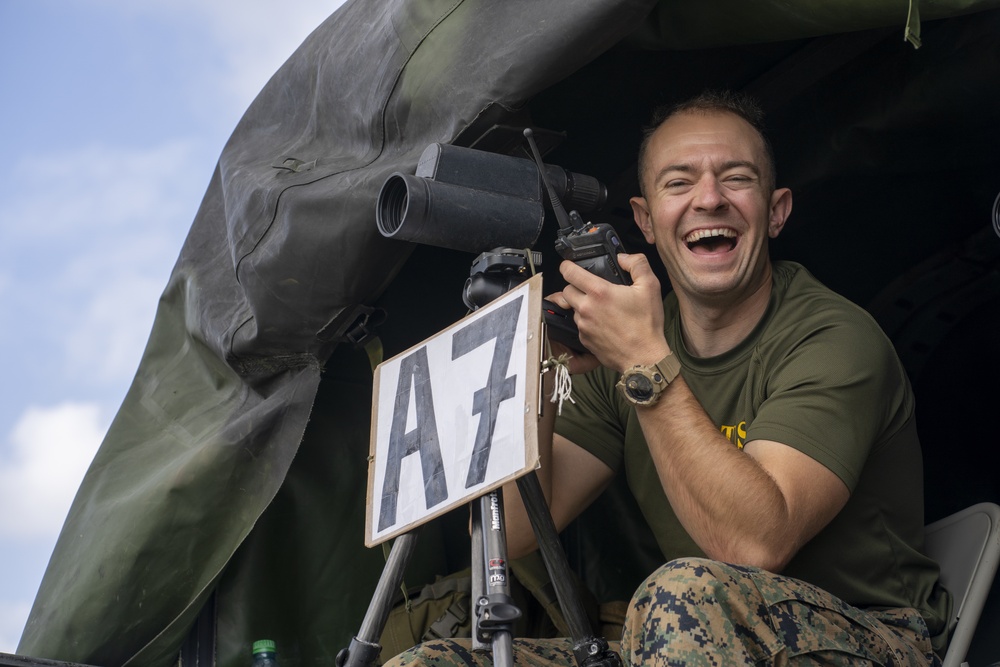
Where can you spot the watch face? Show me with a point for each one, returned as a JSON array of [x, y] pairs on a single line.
[[639, 387]]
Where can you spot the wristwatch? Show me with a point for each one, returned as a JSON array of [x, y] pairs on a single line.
[[642, 385]]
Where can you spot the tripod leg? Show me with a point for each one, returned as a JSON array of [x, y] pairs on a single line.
[[590, 650], [552, 553], [495, 610], [364, 648], [478, 575]]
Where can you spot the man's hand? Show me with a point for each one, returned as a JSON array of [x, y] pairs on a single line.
[[622, 325]]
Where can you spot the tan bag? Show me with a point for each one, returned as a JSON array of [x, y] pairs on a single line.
[[440, 609]]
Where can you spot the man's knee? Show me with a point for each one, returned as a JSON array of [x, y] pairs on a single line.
[[692, 609], [685, 576]]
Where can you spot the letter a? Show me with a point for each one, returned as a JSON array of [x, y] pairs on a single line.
[[413, 372]]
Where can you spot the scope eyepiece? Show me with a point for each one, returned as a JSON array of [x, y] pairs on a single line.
[[578, 192]]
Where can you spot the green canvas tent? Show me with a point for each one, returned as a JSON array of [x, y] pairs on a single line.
[[234, 473]]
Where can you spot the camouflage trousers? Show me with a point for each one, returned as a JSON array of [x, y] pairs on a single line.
[[698, 612]]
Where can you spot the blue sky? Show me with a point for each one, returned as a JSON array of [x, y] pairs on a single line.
[[113, 115]]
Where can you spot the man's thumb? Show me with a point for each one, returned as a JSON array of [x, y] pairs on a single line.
[[636, 264]]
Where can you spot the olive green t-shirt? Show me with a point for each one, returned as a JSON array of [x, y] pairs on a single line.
[[819, 375]]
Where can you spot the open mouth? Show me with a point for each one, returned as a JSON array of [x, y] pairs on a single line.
[[708, 241]]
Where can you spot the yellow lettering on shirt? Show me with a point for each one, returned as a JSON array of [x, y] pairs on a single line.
[[736, 434]]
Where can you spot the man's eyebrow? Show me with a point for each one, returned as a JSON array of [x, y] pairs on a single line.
[[741, 163], [685, 168]]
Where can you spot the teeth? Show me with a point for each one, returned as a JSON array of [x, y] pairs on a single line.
[[709, 233]]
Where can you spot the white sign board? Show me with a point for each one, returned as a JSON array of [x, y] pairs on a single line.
[[455, 416]]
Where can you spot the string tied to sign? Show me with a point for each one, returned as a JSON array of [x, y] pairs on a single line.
[[562, 386]]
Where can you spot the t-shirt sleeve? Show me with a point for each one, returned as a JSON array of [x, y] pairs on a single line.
[[595, 419], [834, 396]]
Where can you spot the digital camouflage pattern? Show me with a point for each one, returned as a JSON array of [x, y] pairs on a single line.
[[698, 612]]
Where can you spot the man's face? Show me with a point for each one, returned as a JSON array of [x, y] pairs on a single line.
[[706, 205]]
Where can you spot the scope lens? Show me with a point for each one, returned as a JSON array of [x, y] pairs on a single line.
[[392, 204]]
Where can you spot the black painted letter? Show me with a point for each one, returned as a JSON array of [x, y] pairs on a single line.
[[502, 325], [413, 372]]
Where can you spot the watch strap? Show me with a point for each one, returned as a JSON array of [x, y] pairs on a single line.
[[670, 367]]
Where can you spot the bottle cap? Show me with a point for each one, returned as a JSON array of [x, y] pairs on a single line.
[[264, 646]]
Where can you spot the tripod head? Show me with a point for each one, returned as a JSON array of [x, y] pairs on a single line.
[[496, 272]]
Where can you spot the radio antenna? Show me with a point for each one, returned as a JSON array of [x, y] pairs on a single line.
[[562, 217]]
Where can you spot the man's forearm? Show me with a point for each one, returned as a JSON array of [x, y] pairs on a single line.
[[727, 502]]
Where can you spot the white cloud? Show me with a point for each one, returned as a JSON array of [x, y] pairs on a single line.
[[103, 189], [256, 40], [49, 449], [109, 223], [253, 37], [42, 462]]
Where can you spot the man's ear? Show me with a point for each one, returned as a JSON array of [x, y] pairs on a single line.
[[781, 208], [640, 211]]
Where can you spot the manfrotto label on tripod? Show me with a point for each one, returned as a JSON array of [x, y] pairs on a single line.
[[496, 571], [455, 416]]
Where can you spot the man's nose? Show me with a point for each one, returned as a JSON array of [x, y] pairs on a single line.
[[708, 195]]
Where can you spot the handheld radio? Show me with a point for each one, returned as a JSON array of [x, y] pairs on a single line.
[[595, 247]]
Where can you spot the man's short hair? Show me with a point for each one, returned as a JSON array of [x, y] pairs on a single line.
[[713, 101]]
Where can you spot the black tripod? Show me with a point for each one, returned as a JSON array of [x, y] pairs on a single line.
[[492, 274]]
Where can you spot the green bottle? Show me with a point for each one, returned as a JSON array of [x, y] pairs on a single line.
[[265, 653]]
